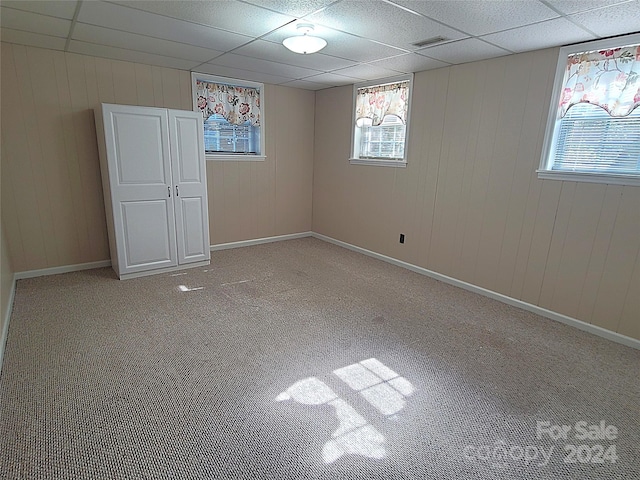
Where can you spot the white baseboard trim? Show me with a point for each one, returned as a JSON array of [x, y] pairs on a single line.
[[62, 269], [7, 317], [259, 241], [156, 271], [587, 327]]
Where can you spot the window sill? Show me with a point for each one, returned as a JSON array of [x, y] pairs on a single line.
[[236, 158], [607, 178], [378, 163]]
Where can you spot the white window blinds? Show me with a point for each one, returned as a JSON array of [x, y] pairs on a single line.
[[592, 141]]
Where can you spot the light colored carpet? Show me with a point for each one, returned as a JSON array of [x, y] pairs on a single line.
[[302, 360]]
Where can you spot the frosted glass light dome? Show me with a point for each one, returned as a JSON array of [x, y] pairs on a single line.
[[305, 43]]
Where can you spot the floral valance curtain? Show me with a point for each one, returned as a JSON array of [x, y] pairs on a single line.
[[607, 78], [236, 104], [377, 101]]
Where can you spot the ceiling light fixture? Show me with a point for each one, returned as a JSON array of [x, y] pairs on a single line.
[[304, 43]]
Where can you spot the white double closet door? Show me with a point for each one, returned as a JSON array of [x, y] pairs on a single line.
[[157, 182]]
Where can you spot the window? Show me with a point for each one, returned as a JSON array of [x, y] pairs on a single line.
[[232, 113], [593, 131], [222, 137], [384, 141], [381, 120]]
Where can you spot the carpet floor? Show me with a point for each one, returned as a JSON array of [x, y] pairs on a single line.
[[304, 360]]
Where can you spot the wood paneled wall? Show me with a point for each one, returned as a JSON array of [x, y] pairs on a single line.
[[52, 203], [470, 203], [6, 285], [250, 200]]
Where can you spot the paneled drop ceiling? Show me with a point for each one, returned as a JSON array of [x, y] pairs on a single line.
[[367, 39]]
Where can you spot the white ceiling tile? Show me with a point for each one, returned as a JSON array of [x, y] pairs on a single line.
[[614, 20], [366, 72], [136, 21], [32, 39], [409, 63], [32, 22], [332, 79], [141, 43], [240, 74], [359, 49], [575, 6], [541, 35], [53, 8], [367, 39], [385, 23], [276, 52], [129, 55], [295, 8], [305, 85], [263, 66], [463, 51], [477, 17], [228, 15]]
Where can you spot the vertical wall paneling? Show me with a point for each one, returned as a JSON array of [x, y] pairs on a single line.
[[332, 142], [158, 91], [33, 204], [124, 82], [543, 70], [524, 182], [490, 81], [92, 180], [573, 260], [78, 120], [12, 122], [105, 78], [6, 289], [263, 179], [374, 187], [620, 262], [503, 163], [599, 250], [468, 159], [244, 200], [144, 82], [185, 91], [402, 213], [629, 324], [171, 88], [449, 198], [72, 238], [232, 194], [217, 208], [431, 128], [558, 238], [253, 204], [293, 198], [471, 199], [52, 202]]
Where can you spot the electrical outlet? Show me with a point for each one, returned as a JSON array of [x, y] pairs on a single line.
[[402, 238]]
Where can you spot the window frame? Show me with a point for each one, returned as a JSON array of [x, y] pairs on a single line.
[[553, 122], [235, 157], [354, 156]]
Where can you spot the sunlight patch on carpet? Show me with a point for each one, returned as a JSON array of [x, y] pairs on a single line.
[[379, 385]]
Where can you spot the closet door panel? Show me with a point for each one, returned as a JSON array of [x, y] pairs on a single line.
[[191, 217], [189, 176], [147, 233], [140, 156], [137, 143]]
